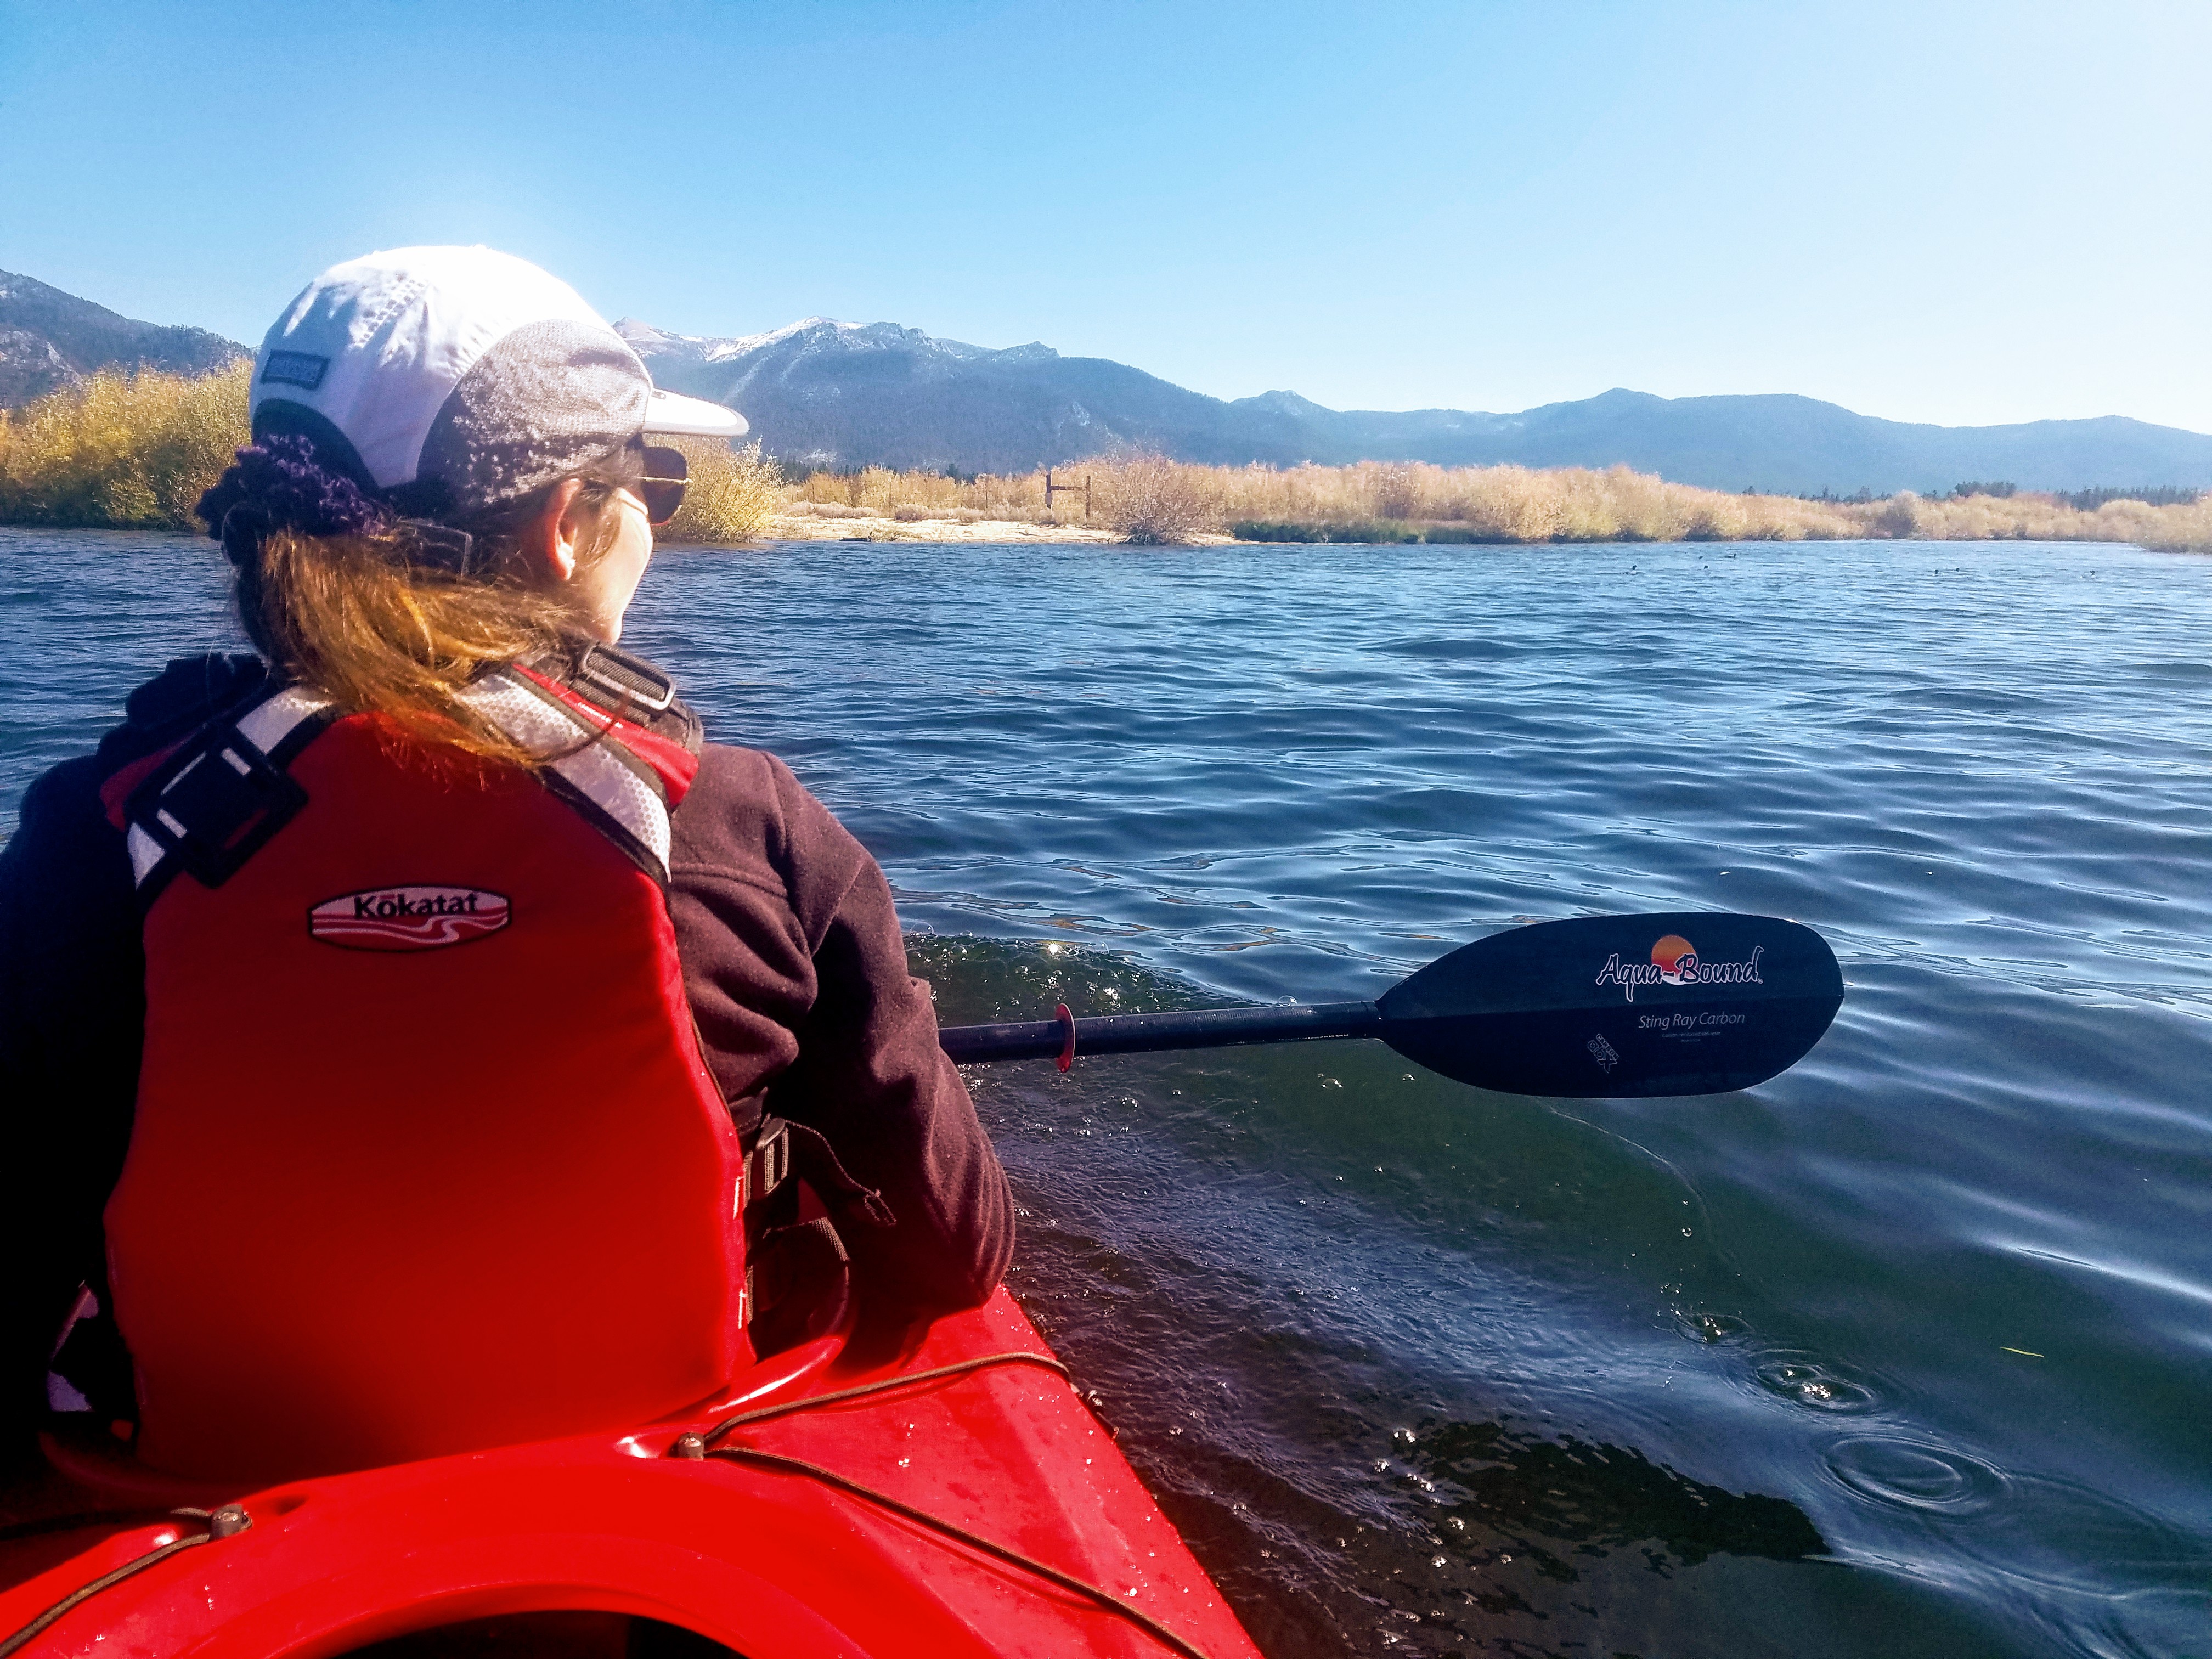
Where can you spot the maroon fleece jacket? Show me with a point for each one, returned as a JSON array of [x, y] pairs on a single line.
[[797, 973]]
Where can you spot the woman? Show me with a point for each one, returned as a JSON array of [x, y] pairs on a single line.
[[494, 1058]]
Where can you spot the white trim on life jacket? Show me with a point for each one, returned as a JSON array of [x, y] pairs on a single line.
[[596, 770]]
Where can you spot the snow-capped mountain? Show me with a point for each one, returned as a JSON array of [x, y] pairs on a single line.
[[851, 394], [855, 393], [823, 336]]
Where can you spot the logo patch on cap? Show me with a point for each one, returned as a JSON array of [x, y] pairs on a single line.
[[408, 918], [299, 369]]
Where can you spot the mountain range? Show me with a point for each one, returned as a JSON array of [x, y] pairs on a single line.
[[49, 339], [845, 394]]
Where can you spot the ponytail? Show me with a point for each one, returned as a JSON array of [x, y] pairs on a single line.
[[391, 615]]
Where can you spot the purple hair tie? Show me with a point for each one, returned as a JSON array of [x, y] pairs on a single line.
[[280, 485]]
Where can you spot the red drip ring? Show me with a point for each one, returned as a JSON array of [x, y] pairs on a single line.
[[1067, 1024]]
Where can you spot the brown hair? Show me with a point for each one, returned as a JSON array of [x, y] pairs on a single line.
[[370, 621]]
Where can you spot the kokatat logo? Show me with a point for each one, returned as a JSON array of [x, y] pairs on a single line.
[[408, 918], [1674, 962]]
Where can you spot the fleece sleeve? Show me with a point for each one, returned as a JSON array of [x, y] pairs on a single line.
[[797, 972], [72, 1012]]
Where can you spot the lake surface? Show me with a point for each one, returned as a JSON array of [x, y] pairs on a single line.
[[1906, 1352]]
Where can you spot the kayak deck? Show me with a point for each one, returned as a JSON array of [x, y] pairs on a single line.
[[738, 1545]]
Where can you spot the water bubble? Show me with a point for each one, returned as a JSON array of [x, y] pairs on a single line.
[[1812, 1381], [1710, 1327], [1402, 1437]]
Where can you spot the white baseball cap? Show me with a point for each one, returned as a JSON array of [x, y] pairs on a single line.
[[452, 380]]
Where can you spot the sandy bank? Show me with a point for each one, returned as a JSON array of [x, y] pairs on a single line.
[[796, 527]]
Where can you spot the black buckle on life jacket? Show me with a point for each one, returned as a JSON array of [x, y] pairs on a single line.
[[215, 804], [768, 1165], [632, 683], [782, 1150]]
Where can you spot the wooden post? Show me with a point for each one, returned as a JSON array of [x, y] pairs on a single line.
[[1052, 489]]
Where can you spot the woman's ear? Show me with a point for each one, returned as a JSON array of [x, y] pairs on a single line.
[[550, 541]]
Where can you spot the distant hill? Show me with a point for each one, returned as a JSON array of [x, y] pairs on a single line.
[[852, 395], [49, 339], [848, 394]]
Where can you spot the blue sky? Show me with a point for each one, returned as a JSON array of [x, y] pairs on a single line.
[[1933, 211]]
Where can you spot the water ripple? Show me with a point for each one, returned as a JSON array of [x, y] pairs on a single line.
[[1945, 1284]]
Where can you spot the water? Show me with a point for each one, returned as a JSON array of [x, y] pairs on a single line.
[[1906, 1352]]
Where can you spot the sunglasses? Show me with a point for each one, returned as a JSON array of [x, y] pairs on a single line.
[[661, 488]]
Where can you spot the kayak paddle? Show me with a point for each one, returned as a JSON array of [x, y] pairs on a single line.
[[1611, 1007]]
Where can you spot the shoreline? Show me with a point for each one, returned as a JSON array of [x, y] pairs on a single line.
[[799, 527], [784, 530], [804, 527], [137, 451]]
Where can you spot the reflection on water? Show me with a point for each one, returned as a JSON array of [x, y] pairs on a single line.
[[1556, 1499], [1903, 1352]]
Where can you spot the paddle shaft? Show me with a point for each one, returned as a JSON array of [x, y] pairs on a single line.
[[1134, 1034], [1585, 1008]]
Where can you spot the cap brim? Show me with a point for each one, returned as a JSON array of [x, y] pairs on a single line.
[[690, 417]]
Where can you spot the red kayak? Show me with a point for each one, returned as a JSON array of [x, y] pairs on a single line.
[[961, 1498]]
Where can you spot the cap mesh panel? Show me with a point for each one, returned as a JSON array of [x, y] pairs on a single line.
[[548, 400]]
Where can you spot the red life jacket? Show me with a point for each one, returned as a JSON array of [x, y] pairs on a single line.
[[426, 1156]]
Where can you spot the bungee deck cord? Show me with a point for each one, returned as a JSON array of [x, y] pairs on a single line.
[[230, 1519]]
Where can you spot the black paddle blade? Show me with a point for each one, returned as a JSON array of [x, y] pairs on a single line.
[[1681, 1002]]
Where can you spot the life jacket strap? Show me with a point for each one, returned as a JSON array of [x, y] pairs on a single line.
[[798, 1268], [592, 769], [217, 797], [211, 802], [780, 1156]]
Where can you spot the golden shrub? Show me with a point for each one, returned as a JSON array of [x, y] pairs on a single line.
[[122, 448], [1499, 504], [2183, 529], [1151, 499], [733, 493], [137, 449]]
